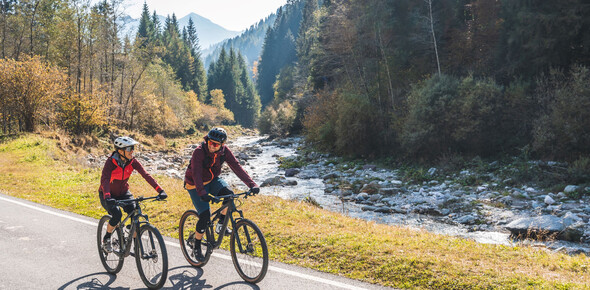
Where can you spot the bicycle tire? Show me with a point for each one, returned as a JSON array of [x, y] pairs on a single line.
[[186, 229], [113, 261], [249, 252], [152, 262]]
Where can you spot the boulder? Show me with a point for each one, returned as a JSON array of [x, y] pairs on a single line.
[[292, 172], [546, 226]]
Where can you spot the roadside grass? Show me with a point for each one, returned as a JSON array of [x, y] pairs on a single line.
[[32, 168]]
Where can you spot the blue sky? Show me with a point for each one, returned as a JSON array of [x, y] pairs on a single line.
[[234, 15]]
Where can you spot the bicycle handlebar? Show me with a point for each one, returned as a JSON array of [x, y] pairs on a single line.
[[235, 195], [141, 198]]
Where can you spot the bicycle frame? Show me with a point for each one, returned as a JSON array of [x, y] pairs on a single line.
[[231, 209], [136, 224]]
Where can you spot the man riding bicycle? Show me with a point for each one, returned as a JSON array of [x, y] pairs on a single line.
[[113, 183], [202, 178]]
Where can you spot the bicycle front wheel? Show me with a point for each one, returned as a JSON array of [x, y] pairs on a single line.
[[186, 238], [112, 259], [151, 257], [248, 251]]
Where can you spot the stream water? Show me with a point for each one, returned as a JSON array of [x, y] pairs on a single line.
[[265, 165]]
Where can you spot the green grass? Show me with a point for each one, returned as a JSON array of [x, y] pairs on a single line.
[[301, 234]]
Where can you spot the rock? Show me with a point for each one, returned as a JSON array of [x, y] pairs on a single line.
[[292, 172], [387, 191], [375, 197], [243, 156], [546, 226], [431, 171], [548, 200], [362, 196], [571, 188], [277, 180], [383, 209], [291, 182], [370, 188], [370, 167], [331, 175], [368, 208], [467, 220]]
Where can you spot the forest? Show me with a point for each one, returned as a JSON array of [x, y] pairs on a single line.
[[421, 80], [412, 79]]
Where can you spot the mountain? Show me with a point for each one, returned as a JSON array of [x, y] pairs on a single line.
[[249, 43], [208, 32]]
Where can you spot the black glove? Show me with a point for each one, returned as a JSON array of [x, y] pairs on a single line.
[[110, 202], [255, 190], [206, 198], [162, 195]]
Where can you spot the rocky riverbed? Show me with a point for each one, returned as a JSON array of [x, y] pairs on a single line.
[[487, 212]]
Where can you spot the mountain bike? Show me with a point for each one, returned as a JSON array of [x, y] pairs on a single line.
[[149, 250], [247, 244]]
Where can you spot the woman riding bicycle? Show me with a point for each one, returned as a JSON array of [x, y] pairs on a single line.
[[114, 186], [202, 178]]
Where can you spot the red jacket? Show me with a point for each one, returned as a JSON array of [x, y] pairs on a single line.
[[115, 174], [204, 166]]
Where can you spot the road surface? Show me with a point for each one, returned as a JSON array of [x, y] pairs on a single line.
[[45, 248]]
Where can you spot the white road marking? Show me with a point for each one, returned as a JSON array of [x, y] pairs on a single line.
[[174, 244]]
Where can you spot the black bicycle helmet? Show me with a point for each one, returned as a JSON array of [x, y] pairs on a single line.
[[217, 134]]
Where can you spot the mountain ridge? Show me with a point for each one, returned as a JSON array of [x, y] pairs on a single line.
[[209, 32]]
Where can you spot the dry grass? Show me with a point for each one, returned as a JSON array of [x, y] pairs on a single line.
[[298, 233]]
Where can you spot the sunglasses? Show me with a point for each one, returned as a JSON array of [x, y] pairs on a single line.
[[130, 148], [214, 144]]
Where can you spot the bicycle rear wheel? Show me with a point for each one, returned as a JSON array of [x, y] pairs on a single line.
[[186, 238], [248, 251], [151, 257], [113, 260]]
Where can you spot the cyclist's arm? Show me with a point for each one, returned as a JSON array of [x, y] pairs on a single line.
[[237, 169], [105, 178], [197, 164], [137, 166]]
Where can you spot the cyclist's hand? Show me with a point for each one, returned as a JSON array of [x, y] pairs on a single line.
[[206, 198], [255, 190], [162, 195], [110, 202]]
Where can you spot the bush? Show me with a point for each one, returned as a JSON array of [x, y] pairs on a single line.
[[478, 128], [320, 118], [277, 119], [562, 131], [433, 109]]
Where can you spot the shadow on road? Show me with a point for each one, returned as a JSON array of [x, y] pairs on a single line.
[[92, 281], [184, 277]]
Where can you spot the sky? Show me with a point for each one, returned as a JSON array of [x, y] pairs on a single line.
[[236, 15]]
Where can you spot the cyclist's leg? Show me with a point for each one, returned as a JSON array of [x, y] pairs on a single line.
[[203, 210], [219, 187], [129, 207], [115, 213]]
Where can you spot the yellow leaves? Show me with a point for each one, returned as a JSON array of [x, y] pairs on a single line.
[[29, 88]]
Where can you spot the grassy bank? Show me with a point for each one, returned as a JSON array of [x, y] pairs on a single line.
[[31, 167]]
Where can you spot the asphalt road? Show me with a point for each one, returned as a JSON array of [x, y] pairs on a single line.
[[46, 248]]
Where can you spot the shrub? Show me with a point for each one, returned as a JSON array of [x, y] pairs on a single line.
[[478, 128], [433, 108], [320, 119], [562, 131], [277, 119], [159, 140]]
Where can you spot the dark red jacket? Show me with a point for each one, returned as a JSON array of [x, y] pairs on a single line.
[[115, 175], [204, 166]]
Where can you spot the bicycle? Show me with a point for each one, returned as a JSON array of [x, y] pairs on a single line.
[[247, 244], [149, 250]]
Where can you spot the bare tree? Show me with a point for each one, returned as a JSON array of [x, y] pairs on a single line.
[[433, 35]]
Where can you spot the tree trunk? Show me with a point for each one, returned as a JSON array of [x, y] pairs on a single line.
[[433, 36], [32, 25]]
